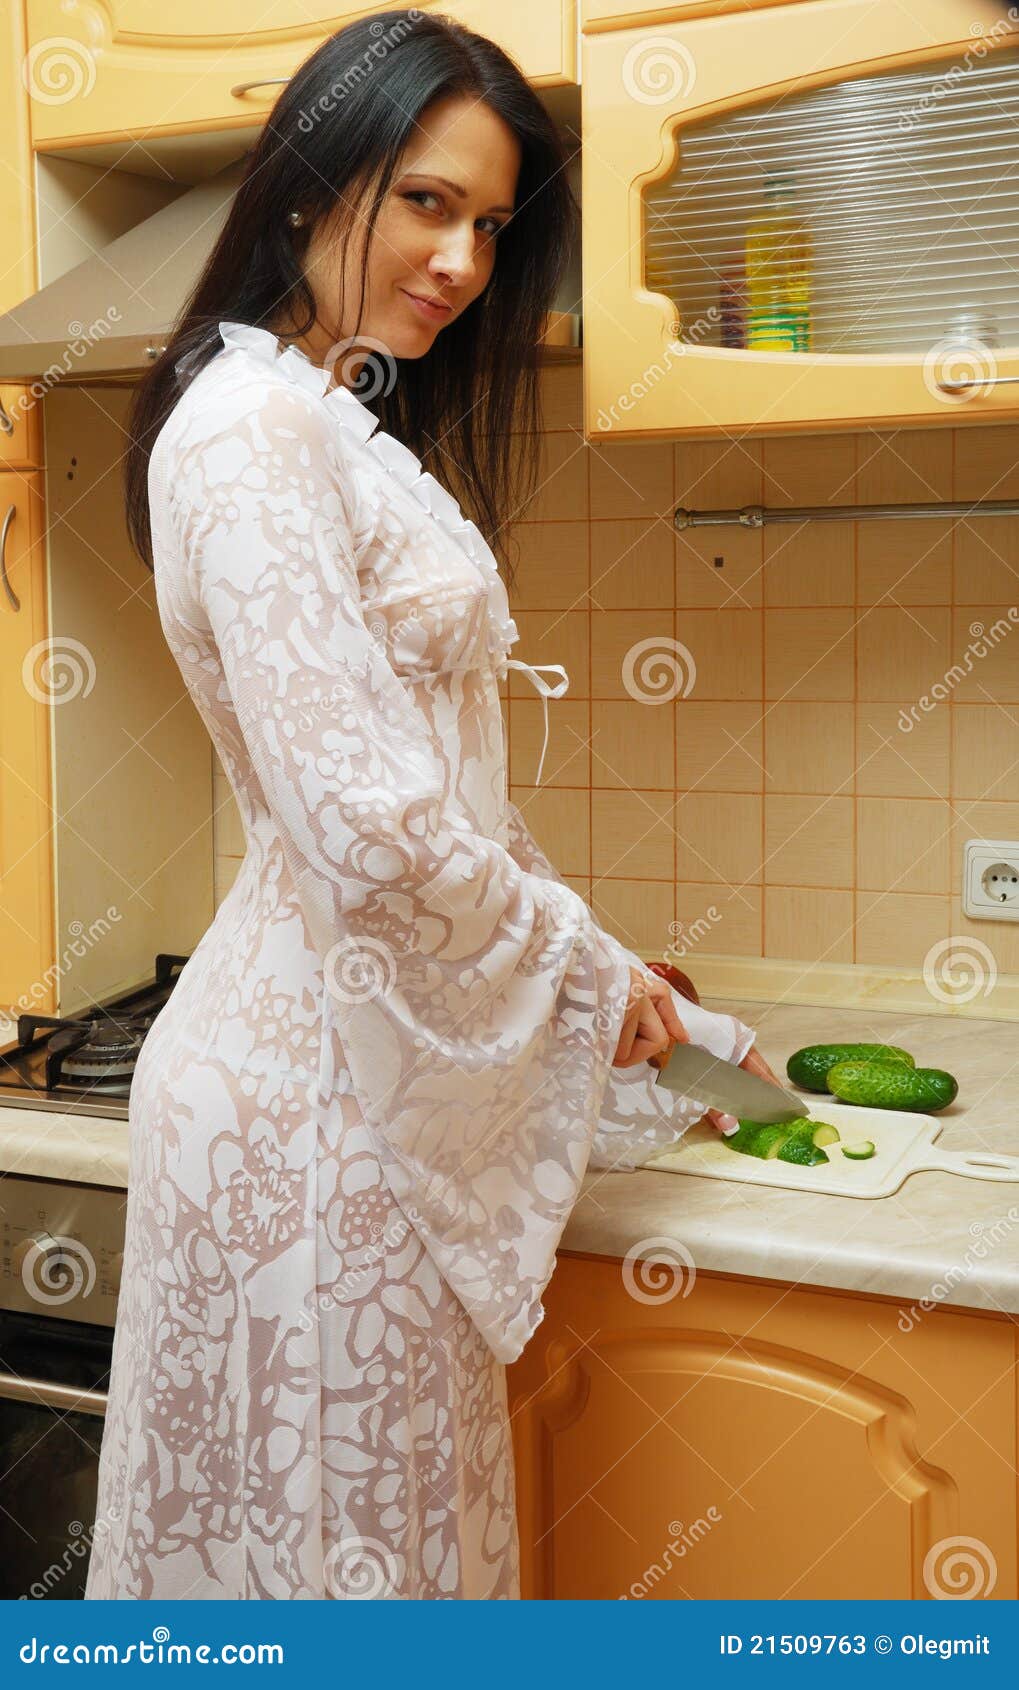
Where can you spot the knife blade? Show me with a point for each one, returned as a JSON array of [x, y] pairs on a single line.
[[693, 1071]]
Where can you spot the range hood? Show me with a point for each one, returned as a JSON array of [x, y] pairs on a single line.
[[123, 300]]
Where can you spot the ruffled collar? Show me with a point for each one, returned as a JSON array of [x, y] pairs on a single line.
[[363, 425]]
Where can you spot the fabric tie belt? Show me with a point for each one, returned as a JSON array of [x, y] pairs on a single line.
[[533, 673]]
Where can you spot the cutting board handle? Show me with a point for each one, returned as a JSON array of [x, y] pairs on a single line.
[[978, 1164]]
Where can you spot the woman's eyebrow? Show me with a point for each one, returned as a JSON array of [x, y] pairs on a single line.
[[427, 175]]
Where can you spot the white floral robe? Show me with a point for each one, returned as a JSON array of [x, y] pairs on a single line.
[[360, 1123]]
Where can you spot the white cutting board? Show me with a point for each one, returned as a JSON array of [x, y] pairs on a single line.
[[904, 1144]]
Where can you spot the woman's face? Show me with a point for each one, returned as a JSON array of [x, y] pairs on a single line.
[[436, 238]]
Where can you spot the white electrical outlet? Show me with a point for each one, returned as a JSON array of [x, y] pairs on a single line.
[[990, 879]]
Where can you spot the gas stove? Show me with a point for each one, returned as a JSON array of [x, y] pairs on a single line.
[[83, 1064]]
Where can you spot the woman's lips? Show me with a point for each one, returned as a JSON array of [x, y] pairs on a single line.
[[434, 313]]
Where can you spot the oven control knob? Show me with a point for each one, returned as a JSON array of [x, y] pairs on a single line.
[[53, 1270]]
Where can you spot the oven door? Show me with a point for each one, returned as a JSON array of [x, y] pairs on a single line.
[[53, 1377]]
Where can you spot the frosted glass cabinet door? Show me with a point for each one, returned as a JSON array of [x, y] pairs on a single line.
[[135, 67], [802, 216]]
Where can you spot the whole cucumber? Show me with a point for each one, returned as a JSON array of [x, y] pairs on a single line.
[[889, 1085], [808, 1068]]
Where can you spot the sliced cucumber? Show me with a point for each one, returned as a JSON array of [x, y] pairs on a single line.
[[861, 1151], [824, 1133], [800, 1152]]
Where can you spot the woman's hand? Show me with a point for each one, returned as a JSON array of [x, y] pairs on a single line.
[[651, 1024], [754, 1063]]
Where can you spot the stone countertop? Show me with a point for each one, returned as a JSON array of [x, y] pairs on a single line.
[[939, 1236], [942, 1236]]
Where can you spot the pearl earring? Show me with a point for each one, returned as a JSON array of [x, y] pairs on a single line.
[[296, 217]]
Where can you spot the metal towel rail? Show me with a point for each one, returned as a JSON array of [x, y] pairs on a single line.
[[761, 516]]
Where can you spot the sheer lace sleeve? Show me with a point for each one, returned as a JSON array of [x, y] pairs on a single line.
[[724, 1035], [481, 1060]]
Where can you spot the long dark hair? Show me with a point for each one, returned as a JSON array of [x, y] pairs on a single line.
[[453, 407]]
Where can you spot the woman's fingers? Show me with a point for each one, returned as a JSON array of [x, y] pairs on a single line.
[[754, 1063], [726, 1124]]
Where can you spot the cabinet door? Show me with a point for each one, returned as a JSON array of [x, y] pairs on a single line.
[[693, 1436], [889, 132], [20, 435], [26, 874], [130, 68], [621, 14]]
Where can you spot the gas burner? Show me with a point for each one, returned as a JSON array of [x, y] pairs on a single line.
[[98, 1055], [83, 1063]]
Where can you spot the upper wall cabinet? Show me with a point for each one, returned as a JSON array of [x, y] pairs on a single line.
[[99, 70], [802, 216], [621, 14]]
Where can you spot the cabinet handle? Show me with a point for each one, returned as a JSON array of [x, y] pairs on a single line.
[[44, 1393], [975, 381], [263, 82], [8, 589], [5, 422]]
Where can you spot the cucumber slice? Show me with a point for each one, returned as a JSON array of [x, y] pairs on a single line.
[[861, 1151], [800, 1152], [824, 1133]]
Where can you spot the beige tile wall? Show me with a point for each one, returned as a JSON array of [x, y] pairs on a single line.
[[777, 806]]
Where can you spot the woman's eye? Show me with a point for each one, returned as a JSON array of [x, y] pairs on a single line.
[[426, 194]]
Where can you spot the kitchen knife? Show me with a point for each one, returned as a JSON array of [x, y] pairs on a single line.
[[692, 1071]]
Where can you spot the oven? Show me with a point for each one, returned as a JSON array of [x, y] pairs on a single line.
[[60, 1259], [61, 1253]]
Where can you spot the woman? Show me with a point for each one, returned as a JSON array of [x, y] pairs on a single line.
[[362, 1119]]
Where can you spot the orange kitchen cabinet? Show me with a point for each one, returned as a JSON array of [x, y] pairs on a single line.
[[26, 865], [129, 68], [857, 104], [20, 434], [17, 206], [693, 1435], [621, 14]]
